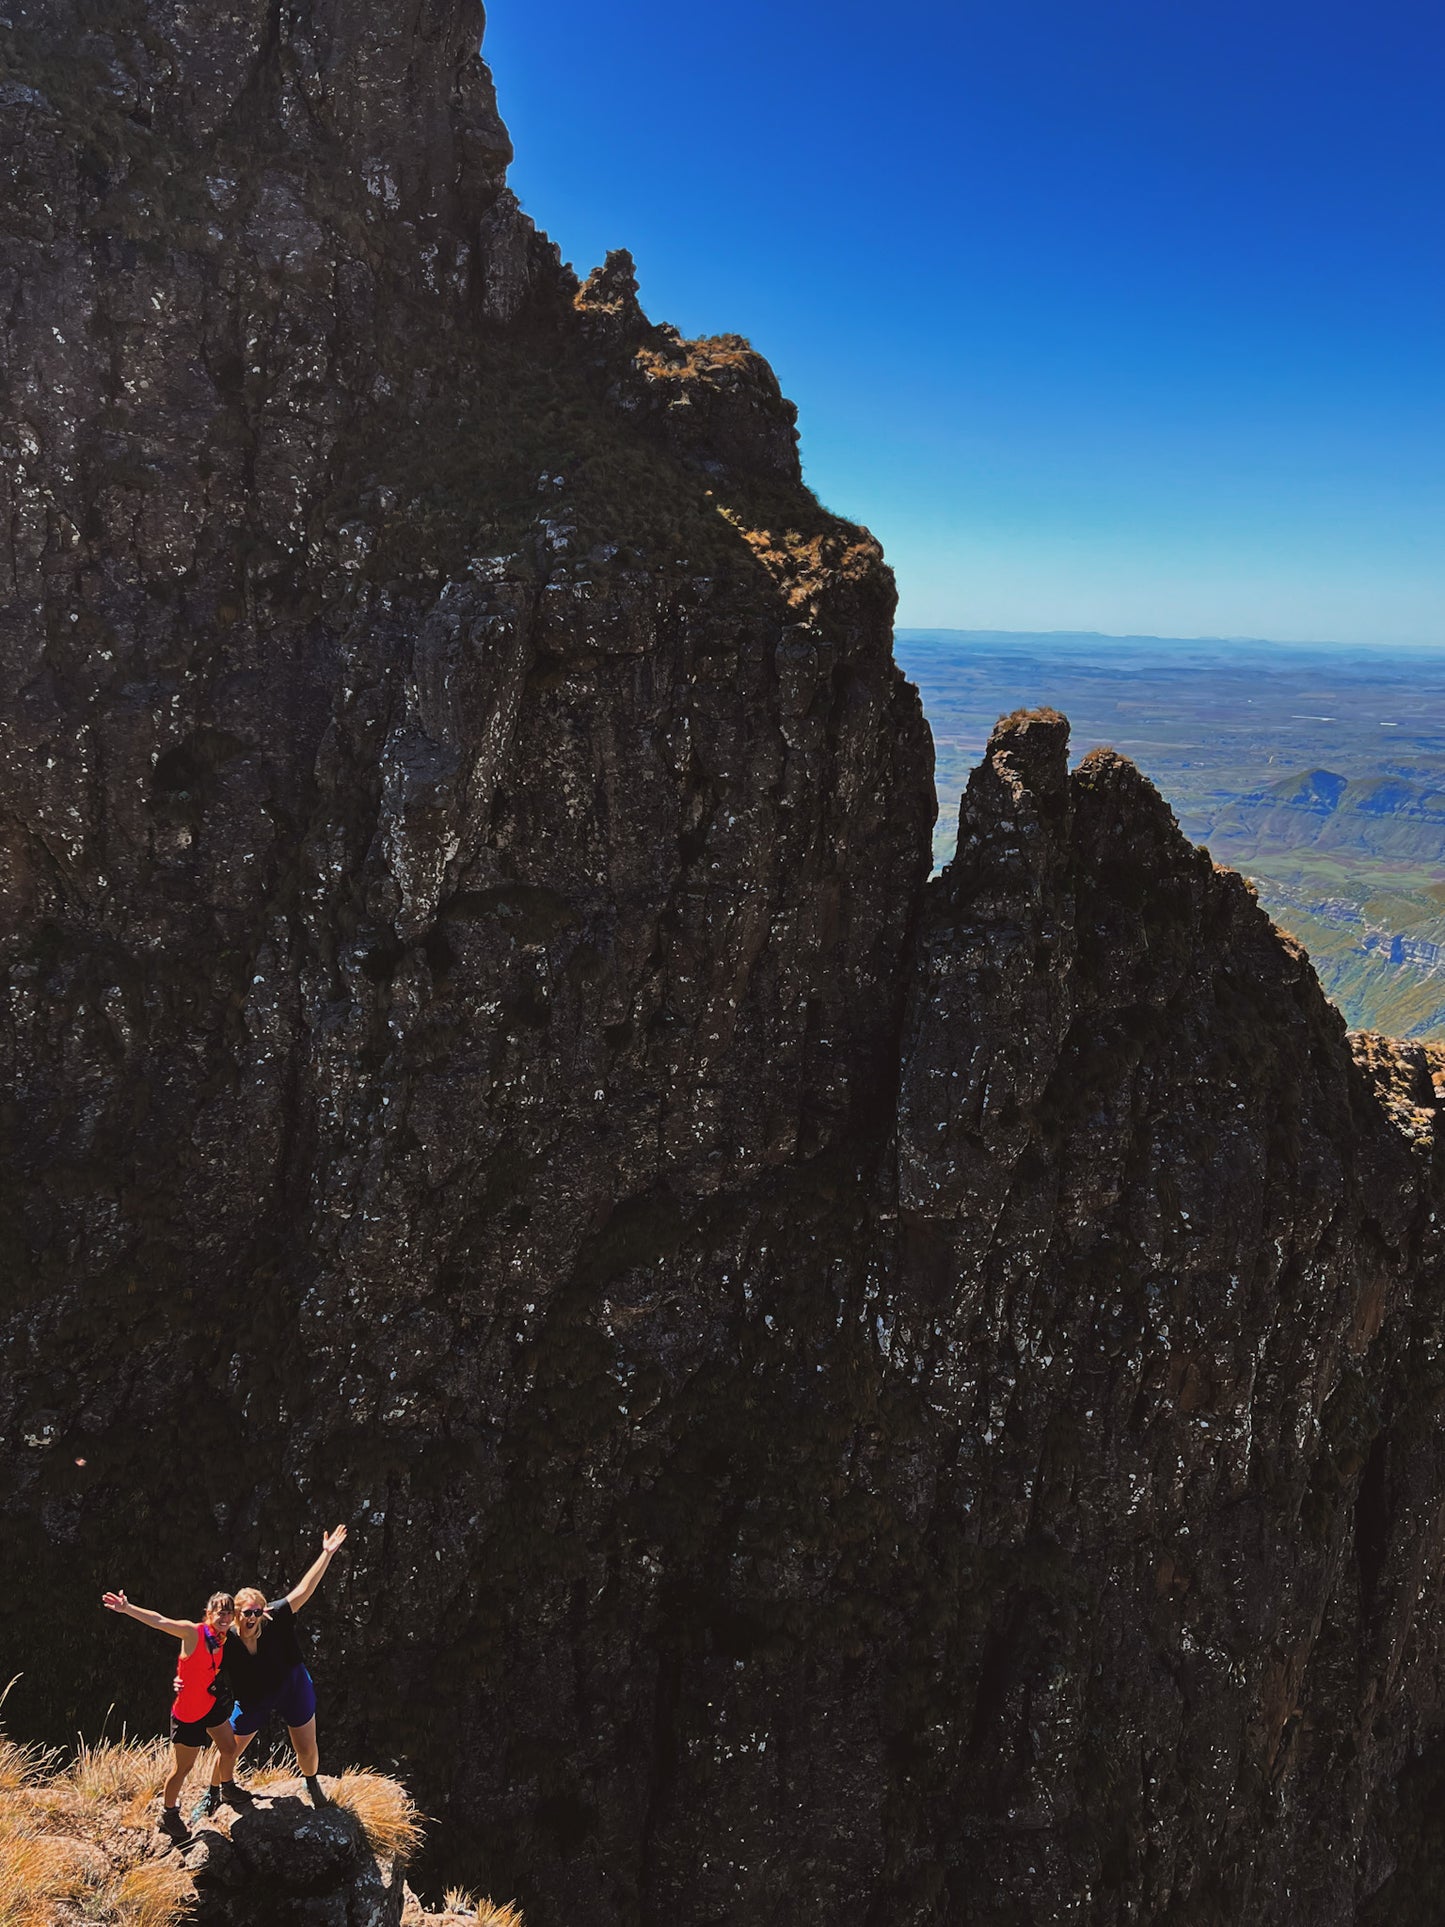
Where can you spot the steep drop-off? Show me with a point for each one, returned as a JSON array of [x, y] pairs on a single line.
[[856, 1398]]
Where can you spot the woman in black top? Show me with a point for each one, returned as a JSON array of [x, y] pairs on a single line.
[[266, 1672]]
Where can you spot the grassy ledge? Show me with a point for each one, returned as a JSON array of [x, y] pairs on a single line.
[[78, 1842]]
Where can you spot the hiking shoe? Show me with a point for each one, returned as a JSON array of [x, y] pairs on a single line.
[[174, 1827], [235, 1796], [209, 1801], [313, 1787]]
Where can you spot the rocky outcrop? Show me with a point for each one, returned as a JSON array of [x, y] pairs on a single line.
[[78, 1845], [715, 402], [1187, 1265], [281, 1860], [852, 1394]]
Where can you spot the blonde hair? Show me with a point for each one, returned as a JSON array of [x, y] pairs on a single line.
[[250, 1596]]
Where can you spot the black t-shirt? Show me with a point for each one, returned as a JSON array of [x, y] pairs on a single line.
[[253, 1676]]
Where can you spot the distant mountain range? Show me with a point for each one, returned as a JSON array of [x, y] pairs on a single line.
[[1380, 817], [1316, 769]]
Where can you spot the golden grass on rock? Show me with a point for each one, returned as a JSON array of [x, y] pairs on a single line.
[[22, 1765], [115, 1770], [158, 1893], [77, 1838], [73, 1838], [484, 1914], [384, 1808], [460, 1909], [38, 1872]]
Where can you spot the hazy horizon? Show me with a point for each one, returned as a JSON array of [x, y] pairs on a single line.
[[1291, 643]]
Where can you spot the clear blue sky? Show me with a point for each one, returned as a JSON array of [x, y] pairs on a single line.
[[1124, 315]]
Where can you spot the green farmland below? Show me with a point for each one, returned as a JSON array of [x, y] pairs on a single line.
[[1318, 770]]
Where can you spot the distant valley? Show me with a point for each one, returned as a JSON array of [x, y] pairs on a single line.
[[1316, 770]]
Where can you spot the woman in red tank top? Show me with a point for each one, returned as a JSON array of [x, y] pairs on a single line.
[[200, 1714]]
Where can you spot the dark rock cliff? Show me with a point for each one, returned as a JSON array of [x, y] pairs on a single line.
[[855, 1397]]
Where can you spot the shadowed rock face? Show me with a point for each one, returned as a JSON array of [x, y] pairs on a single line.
[[852, 1395]]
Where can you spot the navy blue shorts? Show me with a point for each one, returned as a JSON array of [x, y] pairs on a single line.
[[294, 1699]]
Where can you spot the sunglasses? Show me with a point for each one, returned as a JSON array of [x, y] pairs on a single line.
[[252, 1612]]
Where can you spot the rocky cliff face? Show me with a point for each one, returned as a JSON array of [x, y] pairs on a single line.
[[853, 1395]]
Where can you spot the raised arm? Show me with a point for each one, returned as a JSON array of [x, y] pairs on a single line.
[[117, 1602], [331, 1544]]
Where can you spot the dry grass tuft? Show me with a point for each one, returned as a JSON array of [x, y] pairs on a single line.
[[384, 1808], [158, 1893], [73, 1837], [469, 1907], [22, 1765], [460, 1909], [116, 1770], [38, 1871]]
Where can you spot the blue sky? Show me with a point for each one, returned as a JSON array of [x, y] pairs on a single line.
[[1115, 316]]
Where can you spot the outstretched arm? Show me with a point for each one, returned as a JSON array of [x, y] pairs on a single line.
[[331, 1543], [117, 1602]]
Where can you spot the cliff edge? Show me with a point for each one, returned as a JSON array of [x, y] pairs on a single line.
[[78, 1844], [853, 1394]]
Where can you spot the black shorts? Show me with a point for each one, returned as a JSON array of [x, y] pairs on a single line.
[[194, 1732]]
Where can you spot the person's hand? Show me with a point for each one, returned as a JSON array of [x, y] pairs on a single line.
[[332, 1541], [176, 1684], [115, 1602]]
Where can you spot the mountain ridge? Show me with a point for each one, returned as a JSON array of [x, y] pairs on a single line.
[[868, 1393], [1229, 734]]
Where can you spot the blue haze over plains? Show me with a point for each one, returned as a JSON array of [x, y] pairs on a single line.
[[1316, 770], [1124, 317]]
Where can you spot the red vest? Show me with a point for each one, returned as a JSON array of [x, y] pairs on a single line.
[[197, 1675]]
